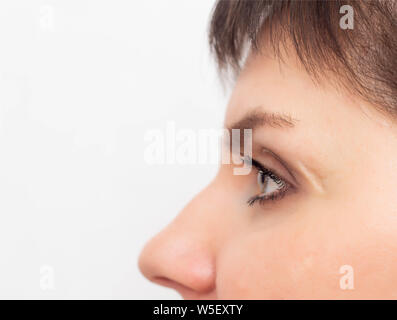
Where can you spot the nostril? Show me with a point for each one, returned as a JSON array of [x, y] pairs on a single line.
[[166, 282], [184, 291]]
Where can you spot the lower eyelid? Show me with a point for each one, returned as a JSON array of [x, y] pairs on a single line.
[[261, 200]]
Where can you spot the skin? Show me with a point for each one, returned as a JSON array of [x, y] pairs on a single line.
[[343, 210]]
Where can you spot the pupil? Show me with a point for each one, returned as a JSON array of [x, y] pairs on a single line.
[[261, 181]]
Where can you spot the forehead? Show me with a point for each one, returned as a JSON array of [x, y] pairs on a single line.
[[282, 87], [285, 87]]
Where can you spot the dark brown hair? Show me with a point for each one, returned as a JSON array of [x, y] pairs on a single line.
[[363, 59]]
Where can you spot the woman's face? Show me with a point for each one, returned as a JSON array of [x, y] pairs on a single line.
[[331, 229]]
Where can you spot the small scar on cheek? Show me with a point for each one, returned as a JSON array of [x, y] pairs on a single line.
[[312, 178]]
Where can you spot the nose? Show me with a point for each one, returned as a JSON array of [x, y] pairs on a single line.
[[182, 256]]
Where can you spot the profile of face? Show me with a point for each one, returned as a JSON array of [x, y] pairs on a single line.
[[316, 218]]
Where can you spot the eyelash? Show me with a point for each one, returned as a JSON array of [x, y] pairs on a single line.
[[277, 195]]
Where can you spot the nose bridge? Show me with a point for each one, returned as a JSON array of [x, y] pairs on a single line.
[[183, 254]]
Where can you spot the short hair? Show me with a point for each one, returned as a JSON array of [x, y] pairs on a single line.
[[363, 59]]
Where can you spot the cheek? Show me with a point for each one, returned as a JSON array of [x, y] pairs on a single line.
[[268, 267], [304, 262]]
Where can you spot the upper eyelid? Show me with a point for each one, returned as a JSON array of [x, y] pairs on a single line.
[[282, 163], [257, 164], [263, 151], [266, 171], [260, 166]]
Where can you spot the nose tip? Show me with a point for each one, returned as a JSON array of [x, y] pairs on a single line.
[[180, 263]]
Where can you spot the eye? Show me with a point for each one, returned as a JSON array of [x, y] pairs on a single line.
[[270, 186]]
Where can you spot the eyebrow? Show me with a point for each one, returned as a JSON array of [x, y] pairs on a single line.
[[258, 118]]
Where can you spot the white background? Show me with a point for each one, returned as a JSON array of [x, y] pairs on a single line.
[[80, 84]]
